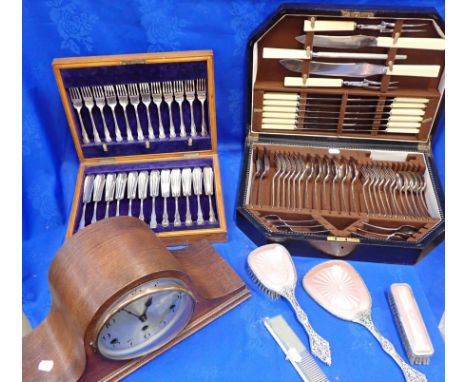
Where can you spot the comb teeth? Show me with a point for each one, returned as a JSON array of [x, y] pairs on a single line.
[[263, 288]]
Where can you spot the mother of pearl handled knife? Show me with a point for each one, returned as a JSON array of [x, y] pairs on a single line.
[[362, 69], [302, 54], [361, 41]]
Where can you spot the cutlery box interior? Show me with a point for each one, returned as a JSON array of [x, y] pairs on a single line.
[[343, 170], [138, 149]]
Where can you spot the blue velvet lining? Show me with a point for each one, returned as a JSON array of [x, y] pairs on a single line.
[[125, 74], [147, 203]]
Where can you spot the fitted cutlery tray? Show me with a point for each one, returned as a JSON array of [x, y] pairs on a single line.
[[141, 117], [367, 88], [343, 104]]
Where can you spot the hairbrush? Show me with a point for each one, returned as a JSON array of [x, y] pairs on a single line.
[[272, 269]]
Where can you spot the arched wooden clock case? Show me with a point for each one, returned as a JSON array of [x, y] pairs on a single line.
[[92, 270]]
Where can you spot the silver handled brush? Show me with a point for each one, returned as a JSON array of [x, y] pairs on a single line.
[[175, 191], [109, 193], [197, 179], [272, 268], [98, 188], [154, 179], [87, 193], [165, 193], [187, 191], [132, 182], [120, 184], [208, 185], [142, 191]]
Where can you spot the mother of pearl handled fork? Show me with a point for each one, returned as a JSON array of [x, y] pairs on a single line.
[[175, 191], [165, 193], [87, 193], [198, 190], [338, 288], [98, 188], [132, 182], [154, 179], [208, 185], [187, 192], [109, 193], [272, 268], [120, 184], [142, 191]]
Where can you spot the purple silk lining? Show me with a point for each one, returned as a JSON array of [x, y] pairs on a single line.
[[125, 74], [147, 204]]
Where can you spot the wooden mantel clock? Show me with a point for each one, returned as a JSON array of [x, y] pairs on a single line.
[[120, 298]]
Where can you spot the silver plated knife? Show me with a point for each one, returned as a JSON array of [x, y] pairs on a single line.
[[361, 70], [361, 41]]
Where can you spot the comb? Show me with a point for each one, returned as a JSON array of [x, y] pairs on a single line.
[[295, 351]]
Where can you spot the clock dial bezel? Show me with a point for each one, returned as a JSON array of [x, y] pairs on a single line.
[[132, 295]]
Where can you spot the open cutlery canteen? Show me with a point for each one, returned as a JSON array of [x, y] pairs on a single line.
[[144, 128]]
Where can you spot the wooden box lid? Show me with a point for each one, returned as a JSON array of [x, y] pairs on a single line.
[[97, 72]]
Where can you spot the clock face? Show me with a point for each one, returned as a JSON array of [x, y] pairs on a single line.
[[146, 323]]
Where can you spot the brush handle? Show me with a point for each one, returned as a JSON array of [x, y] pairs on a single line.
[[411, 374], [318, 346]]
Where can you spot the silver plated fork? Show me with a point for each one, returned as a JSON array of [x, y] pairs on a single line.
[[156, 94], [100, 100], [146, 100], [89, 103], [77, 103], [135, 101], [190, 96], [111, 99], [179, 98], [123, 100], [168, 98], [201, 95]]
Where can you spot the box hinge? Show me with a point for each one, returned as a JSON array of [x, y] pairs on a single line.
[[252, 138], [191, 155], [132, 62], [424, 147]]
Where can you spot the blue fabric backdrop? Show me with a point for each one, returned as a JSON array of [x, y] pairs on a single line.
[[236, 346]]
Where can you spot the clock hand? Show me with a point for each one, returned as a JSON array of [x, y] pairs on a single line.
[[147, 305], [133, 314]]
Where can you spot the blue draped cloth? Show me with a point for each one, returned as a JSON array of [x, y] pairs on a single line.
[[236, 347]]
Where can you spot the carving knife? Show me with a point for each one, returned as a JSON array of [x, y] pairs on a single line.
[[362, 70], [361, 41], [303, 54]]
